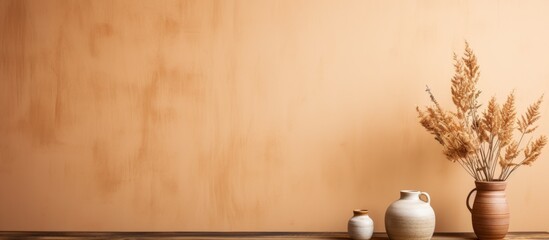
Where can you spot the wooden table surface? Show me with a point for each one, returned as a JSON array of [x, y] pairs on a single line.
[[233, 235]]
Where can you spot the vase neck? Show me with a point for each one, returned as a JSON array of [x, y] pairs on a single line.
[[491, 185], [360, 212], [409, 194]]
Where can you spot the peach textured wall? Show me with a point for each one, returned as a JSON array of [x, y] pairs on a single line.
[[248, 115]]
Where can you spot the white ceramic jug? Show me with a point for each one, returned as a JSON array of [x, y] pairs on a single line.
[[410, 217]]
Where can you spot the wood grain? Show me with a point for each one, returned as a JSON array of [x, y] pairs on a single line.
[[234, 235]]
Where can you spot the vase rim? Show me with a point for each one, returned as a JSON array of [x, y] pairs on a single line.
[[493, 181], [490, 182], [409, 191]]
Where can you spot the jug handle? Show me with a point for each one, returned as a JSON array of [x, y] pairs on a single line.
[[467, 201], [426, 195]]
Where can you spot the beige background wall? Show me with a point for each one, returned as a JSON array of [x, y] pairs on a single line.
[[248, 115]]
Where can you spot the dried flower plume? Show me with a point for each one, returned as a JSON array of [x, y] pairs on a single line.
[[481, 142]]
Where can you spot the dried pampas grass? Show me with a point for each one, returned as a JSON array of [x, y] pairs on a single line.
[[481, 142]]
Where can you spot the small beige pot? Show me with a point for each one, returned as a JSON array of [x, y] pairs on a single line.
[[360, 226]]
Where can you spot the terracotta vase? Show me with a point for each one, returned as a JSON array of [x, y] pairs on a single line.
[[360, 226], [410, 217], [490, 212]]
